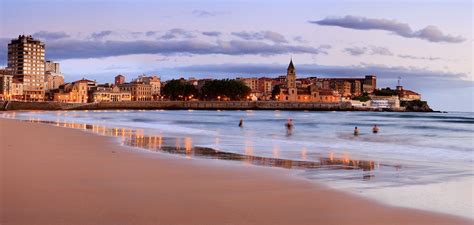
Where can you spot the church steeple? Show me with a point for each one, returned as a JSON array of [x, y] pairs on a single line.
[[291, 75], [291, 66]]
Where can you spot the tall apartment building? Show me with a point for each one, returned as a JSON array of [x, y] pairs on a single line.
[[26, 59]]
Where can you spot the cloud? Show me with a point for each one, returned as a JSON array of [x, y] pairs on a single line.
[[372, 50], [417, 57], [48, 35], [355, 51], [262, 35], [300, 39], [175, 42], [212, 33], [100, 35], [177, 33], [429, 33], [376, 50], [203, 13], [74, 49], [433, 34], [150, 33]]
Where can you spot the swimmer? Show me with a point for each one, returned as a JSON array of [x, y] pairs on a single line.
[[356, 131], [289, 127], [289, 124], [375, 129]]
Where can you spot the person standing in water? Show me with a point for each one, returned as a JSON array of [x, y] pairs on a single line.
[[241, 122], [375, 129], [289, 127], [356, 131]]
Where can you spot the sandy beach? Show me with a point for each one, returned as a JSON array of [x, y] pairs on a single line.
[[51, 175]]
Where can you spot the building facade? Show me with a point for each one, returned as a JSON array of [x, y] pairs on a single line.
[[155, 83], [407, 95], [52, 77], [74, 92], [107, 93], [6, 79], [306, 90], [26, 59], [139, 91]]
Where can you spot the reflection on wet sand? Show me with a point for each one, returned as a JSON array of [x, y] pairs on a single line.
[[184, 146]]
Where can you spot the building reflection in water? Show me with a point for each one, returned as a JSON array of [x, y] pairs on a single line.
[[184, 146]]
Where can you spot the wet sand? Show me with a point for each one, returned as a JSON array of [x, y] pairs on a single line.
[[51, 175]]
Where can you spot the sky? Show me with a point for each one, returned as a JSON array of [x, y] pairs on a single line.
[[428, 45]]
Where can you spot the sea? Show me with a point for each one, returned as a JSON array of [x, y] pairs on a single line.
[[416, 160]]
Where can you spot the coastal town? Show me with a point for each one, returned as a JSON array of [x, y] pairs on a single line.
[[30, 77]]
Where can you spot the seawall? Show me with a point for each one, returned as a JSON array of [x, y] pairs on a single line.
[[211, 105]]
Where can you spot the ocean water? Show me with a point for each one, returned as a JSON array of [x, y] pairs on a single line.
[[417, 160]]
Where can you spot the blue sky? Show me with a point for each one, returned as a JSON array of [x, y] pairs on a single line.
[[428, 44]]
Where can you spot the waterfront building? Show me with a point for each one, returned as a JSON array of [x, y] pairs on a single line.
[[307, 90], [348, 87], [260, 88], [265, 87], [385, 102], [324, 95], [250, 82], [6, 79], [108, 93], [407, 95], [17, 90], [74, 92], [10, 87], [155, 83], [26, 59], [139, 91]]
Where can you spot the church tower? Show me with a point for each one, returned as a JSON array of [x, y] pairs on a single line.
[[291, 82]]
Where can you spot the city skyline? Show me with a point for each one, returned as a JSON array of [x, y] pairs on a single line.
[[432, 54]]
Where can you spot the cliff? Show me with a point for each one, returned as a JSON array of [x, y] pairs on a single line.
[[416, 106]]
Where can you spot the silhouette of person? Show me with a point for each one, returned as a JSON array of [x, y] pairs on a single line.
[[241, 122], [375, 129], [356, 131], [289, 127]]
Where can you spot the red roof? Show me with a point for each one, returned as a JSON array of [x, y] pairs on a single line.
[[408, 92]]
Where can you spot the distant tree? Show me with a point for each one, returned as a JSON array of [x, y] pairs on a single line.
[[226, 88], [385, 92], [179, 90], [275, 91], [363, 98]]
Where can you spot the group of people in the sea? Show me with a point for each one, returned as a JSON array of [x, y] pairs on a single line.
[[289, 127], [375, 129]]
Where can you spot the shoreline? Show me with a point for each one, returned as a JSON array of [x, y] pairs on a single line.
[[195, 105], [89, 179]]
